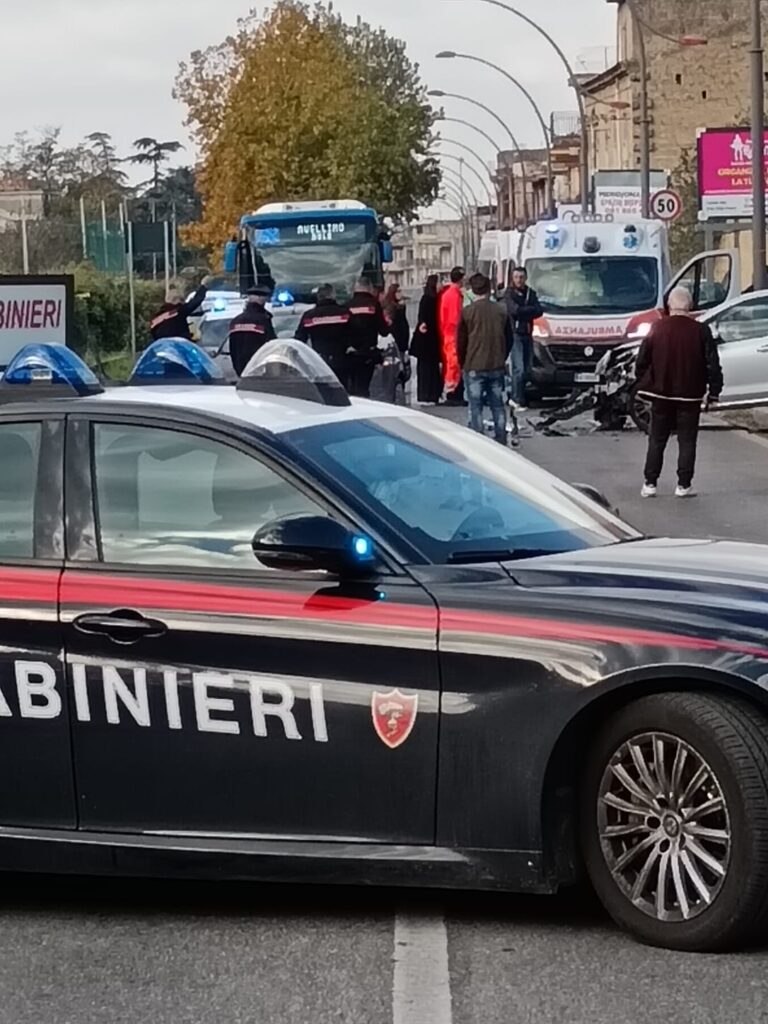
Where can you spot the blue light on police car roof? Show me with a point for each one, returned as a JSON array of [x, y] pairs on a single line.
[[283, 298], [175, 361], [51, 365], [219, 305]]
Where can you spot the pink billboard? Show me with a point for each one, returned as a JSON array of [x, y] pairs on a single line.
[[725, 172]]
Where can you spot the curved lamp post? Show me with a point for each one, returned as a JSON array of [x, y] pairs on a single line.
[[464, 187], [579, 96], [487, 137], [475, 156], [450, 55], [516, 145], [469, 167]]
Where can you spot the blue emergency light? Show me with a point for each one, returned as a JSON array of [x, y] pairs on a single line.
[[283, 298], [363, 548], [553, 237], [219, 305], [175, 361], [55, 369]]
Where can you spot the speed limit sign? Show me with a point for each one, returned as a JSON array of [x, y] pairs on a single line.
[[666, 205]]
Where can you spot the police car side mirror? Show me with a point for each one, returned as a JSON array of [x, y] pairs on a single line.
[[306, 543]]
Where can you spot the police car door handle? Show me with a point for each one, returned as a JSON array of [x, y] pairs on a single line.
[[124, 626]]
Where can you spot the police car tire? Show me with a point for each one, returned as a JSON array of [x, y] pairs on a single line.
[[732, 737]]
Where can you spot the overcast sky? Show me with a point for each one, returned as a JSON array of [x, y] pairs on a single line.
[[109, 65]]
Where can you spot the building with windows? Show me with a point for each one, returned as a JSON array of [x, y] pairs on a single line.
[[427, 247]]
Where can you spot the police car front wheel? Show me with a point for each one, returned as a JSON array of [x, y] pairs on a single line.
[[674, 820]]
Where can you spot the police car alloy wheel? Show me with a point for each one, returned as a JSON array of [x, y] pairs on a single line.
[[674, 820]]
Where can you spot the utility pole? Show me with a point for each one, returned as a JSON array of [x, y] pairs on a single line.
[[645, 120], [760, 279]]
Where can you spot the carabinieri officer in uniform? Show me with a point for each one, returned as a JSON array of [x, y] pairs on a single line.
[[252, 329]]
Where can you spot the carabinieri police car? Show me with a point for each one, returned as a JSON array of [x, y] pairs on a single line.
[[269, 632]]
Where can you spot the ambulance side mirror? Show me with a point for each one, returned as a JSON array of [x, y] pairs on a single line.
[[307, 543]]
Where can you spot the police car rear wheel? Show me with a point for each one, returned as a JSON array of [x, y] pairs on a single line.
[[674, 820]]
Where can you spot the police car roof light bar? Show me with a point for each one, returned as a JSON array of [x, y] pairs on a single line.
[[175, 361], [291, 369], [54, 370]]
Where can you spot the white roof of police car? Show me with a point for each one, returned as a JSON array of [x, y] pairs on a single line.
[[270, 412]]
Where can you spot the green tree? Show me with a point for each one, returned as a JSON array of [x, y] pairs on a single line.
[[154, 154], [299, 105], [684, 239]]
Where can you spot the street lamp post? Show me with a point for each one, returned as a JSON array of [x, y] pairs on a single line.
[[458, 180], [476, 103], [449, 54], [579, 96], [452, 192], [469, 167], [487, 137], [760, 280]]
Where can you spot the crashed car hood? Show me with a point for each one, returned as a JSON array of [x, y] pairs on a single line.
[[666, 563]]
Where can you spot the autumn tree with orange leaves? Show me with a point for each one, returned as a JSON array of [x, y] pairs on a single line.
[[298, 105]]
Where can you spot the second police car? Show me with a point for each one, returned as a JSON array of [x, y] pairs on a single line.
[[269, 632]]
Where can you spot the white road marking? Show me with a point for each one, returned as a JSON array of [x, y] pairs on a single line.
[[421, 992]]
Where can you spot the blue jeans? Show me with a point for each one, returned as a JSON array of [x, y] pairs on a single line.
[[487, 388], [522, 361]]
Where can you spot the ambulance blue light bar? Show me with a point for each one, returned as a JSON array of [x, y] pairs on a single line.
[[53, 370], [175, 361]]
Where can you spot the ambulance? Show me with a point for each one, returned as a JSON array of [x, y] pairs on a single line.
[[602, 281]]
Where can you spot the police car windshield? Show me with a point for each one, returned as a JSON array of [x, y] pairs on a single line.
[[450, 492], [302, 269], [595, 284]]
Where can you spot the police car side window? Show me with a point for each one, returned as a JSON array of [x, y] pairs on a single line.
[[19, 458], [169, 498]]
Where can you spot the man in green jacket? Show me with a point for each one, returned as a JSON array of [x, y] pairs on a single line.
[[484, 342]]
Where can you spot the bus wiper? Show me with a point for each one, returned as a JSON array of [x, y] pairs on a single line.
[[500, 555]]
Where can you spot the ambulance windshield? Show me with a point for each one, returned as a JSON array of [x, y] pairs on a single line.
[[584, 285]]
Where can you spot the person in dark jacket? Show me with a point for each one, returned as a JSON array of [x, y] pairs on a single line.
[[394, 310], [367, 324], [326, 328], [677, 366], [523, 307], [483, 345], [252, 329], [425, 346], [172, 320]]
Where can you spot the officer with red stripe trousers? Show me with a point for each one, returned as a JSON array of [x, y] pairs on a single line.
[[172, 321], [326, 328], [367, 323], [252, 329]]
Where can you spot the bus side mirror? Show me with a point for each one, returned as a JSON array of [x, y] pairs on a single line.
[[387, 254], [230, 258]]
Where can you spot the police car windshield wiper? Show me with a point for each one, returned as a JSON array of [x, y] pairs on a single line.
[[499, 555]]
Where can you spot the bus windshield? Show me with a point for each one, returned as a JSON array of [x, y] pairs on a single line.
[[302, 269], [595, 284]]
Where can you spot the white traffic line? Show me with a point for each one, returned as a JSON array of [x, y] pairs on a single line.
[[421, 992]]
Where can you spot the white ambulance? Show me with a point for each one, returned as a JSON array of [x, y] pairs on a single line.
[[602, 282]]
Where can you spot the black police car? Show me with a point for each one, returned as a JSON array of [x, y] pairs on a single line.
[[269, 632]]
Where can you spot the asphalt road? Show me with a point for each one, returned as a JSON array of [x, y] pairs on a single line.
[[117, 952]]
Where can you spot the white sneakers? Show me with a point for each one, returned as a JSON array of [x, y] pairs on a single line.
[[650, 491]]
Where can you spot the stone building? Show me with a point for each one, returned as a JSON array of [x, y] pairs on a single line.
[[426, 247], [689, 86]]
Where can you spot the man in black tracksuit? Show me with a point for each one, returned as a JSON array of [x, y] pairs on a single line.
[[523, 307], [367, 324], [252, 329], [326, 328], [172, 321]]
